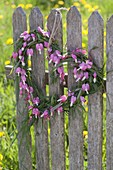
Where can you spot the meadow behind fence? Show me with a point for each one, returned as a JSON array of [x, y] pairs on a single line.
[[51, 154]]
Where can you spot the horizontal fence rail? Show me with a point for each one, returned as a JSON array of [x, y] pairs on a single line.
[[52, 155]]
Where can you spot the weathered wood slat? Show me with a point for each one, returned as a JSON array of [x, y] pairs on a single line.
[[95, 104], [109, 92], [57, 121], [24, 140], [74, 40], [38, 75]]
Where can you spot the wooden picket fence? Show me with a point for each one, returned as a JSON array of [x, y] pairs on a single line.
[[95, 101]]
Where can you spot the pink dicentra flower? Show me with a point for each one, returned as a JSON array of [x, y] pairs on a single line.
[[36, 100], [86, 87], [45, 114], [60, 110], [79, 76], [85, 76], [46, 44], [70, 93], [82, 66], [36, 112], [39, 47], [61, 73], [74, 57], [25, 35], [82, 99], [15, 55], [44, 33], [89, 64], [30, 107], [62, 99], [30, 52], [18, 71], [95, 76], [73, 100]]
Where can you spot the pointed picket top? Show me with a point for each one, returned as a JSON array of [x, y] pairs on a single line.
[[19, 11], [74, 29], [19, 22], [73, 11], [95, 37], [36, 18], [96, 16], [54, 25], [110, 20]]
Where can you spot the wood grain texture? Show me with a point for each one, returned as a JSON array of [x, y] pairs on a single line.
[[109, 92], [57, 121], [74, 40], [38, 76], [95, 104], [24, 139]]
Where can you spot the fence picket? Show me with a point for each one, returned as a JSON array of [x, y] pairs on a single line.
[[74, 40], [57, 121], [24, 140], [95, 103], [38, 75], [109, 94]]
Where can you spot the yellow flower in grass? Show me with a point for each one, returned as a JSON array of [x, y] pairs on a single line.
[[13, 6], [7, 62], [9, 41], [91, 9], [96, 7], [76, 4], [21, 5], [2, 134], [88, 6], [61, 2], [83, 2], [27, 6], [56, 6], [1, 16], [85, 134]]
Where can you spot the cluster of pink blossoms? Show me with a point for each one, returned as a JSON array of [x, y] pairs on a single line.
[[81, 72]]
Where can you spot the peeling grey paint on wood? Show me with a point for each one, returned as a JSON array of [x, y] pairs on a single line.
[[95, 101], [57, 121], [74, 40], [24, 138], [38, 76]]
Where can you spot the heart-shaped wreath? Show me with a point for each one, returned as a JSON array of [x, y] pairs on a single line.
[[88, 77]]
